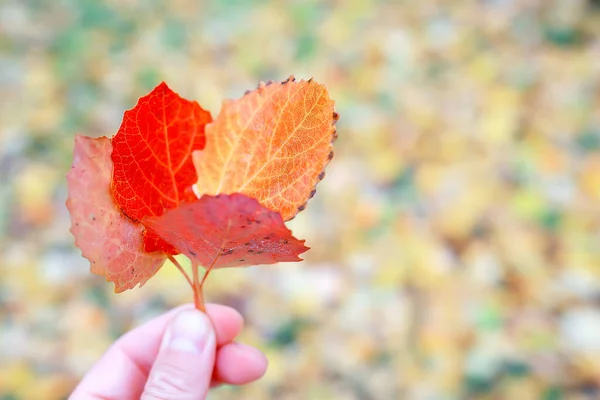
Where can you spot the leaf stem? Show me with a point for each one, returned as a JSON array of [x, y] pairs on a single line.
[[198, 285], [197, 288], [212, 264], [180, 268]]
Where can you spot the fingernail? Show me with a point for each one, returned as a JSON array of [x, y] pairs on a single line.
[[188, 332]]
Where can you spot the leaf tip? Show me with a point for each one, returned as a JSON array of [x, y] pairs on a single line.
[[118, 289], [162, 86], [79, 138]]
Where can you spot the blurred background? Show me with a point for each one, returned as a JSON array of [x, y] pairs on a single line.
[[455, 240]]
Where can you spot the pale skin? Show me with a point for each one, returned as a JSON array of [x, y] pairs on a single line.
[[178, 355]]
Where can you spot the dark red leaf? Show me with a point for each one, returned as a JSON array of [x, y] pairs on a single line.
[[233, 229]]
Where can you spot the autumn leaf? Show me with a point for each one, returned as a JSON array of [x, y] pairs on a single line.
[[111, 241], [154, 191], [227, 231], [152, 156], [272, 144]]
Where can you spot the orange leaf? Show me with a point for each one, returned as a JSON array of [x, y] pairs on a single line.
[[227, 231], [106, 237], [272, 144], [152, 155]]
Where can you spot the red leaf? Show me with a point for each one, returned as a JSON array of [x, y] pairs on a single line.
[[106, 237], [234, 229], [153, 168]]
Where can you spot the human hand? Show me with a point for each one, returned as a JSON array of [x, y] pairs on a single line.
[[192, 357]]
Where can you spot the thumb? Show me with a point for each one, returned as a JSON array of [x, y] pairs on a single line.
[[185, 361]]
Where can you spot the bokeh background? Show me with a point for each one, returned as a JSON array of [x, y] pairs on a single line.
[[455, 240]]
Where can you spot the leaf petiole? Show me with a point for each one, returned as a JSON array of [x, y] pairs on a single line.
[[198, 284], [180, 268], [197, 288], [210, 268]]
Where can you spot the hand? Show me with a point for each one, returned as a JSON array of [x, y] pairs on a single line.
[[178, 355]]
